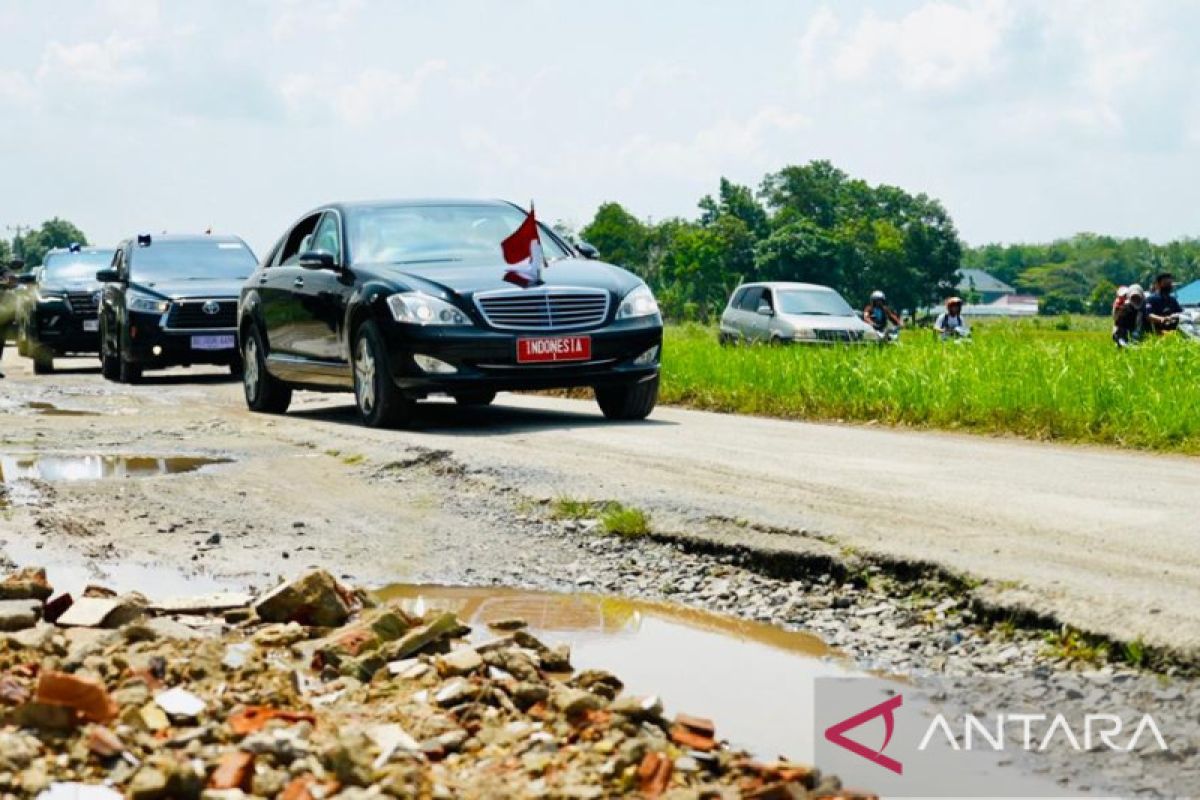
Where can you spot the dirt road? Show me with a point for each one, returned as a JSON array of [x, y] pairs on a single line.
[[1104, 540]]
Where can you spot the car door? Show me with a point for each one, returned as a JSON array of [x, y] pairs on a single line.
[[280, 287], [751, 321], [324, 294]]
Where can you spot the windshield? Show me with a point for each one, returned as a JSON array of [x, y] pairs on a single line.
[[198, 260], [812, 301], [74, 267], [415, 235]]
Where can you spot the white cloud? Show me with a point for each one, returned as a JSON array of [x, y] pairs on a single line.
[[110, 64], [372, 95]]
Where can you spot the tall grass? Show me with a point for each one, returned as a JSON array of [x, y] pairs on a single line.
[[1044, 380]]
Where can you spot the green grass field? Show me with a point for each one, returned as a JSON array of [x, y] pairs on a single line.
[[1041, 378]]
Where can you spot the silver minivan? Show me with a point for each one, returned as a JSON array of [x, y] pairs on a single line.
[[804, 313]]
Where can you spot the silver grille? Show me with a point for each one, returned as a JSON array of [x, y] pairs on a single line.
[[544, 309], [83, 303]]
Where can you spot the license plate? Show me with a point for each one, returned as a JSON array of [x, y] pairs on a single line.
[[91, 325], [213, 342], [554, 348]]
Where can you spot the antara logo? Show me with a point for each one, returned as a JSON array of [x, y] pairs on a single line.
[[887, 710]]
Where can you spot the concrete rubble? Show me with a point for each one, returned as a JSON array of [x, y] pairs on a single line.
[[314, 691]]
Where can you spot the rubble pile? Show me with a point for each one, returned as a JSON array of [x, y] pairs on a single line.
[[314, 691]]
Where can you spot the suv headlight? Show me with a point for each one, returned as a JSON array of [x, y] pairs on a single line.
[[50, 297], [638, 303], [804, 334], [422, 309], [136, 301]]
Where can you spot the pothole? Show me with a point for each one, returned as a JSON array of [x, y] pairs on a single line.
[[84, 467]]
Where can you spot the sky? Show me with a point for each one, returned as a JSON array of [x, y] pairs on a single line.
[[1028, 120]]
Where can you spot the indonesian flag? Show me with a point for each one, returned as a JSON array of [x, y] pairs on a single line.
[[524, 247]]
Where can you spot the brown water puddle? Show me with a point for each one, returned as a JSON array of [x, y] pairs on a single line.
[[72, 467], [754, 679], [51, 410]]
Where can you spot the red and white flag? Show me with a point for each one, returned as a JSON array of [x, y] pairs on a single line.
[[524, 247]]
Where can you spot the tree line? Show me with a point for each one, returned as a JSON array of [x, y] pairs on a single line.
[[32, 245], [811, 223], [1081, 274]]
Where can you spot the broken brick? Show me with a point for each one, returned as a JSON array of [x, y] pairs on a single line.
[[86, 696], [255, 718], [234, 771], [654, 774]]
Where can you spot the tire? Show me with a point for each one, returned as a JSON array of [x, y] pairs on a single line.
[[630, 401], [237, 367], [110, 365], [724, 339], [380, 403], [475, 398], [265, 393], [22, 342], [128, 371], [42, 363]]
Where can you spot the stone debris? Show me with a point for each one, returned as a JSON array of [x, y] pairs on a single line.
[[313, 696]]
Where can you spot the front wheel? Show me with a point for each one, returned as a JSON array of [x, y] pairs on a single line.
[[265, 393], [43, 362], [110, 365], [380, 403], [630, 401]]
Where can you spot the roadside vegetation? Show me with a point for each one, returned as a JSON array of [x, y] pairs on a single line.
[[1057, 378], [611, 517]]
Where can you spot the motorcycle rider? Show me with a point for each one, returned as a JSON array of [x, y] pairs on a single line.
[[1129, 319], [1162, 309], [878, 314], [950, 322]]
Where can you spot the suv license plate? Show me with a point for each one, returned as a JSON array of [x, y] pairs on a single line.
[[554, 348], [213, 342], [91, 325]]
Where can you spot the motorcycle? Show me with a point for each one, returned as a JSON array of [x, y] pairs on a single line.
[[1189, 324]]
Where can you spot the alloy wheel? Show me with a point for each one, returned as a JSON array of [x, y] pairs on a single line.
[[364, 372]]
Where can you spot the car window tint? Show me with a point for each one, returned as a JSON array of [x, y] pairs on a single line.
[[736, 302], [328, 236], [750, 301], [297, 238], [766, 300]]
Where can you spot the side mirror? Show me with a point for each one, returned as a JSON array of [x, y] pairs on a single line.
[[27, 278], [108, 276], [17, 264], [317, 259], [587, 251], [766, 310]]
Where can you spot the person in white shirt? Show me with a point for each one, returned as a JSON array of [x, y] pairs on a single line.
[[950, 323]]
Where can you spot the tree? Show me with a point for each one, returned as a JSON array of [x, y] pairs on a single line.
[[620, 237], [53, 233]]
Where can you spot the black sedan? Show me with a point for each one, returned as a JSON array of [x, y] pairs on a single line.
[[57, 315], [400, 300]]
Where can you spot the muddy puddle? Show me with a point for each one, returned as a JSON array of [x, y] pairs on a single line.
[[51, 410], [756, 679], [72, 467]]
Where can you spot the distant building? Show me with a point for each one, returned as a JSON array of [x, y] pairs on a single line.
[[989, 288], [1189, 295], [1008, 305]]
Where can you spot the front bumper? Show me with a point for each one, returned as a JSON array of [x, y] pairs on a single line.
[[152, 346], [486, 360], [58, 328]]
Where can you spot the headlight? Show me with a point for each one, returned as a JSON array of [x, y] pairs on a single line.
[[135, 301], [421, 309], [638, 303], [806, 334], [50, 297]]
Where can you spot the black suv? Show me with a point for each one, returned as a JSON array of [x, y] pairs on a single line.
[[399, 300], [171, 300], [57, 313]]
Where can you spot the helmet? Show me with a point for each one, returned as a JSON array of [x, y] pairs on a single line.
[[953, 301], [1122, 291], [877, 295], [1135, 290]]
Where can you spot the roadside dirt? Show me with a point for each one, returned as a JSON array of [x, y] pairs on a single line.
[[1105, 541]]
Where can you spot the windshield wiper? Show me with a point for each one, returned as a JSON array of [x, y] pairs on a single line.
[[428, 261]]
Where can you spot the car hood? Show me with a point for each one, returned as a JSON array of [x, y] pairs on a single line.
[[824, 323], [470, 278], [71, 286], [184, 289]]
